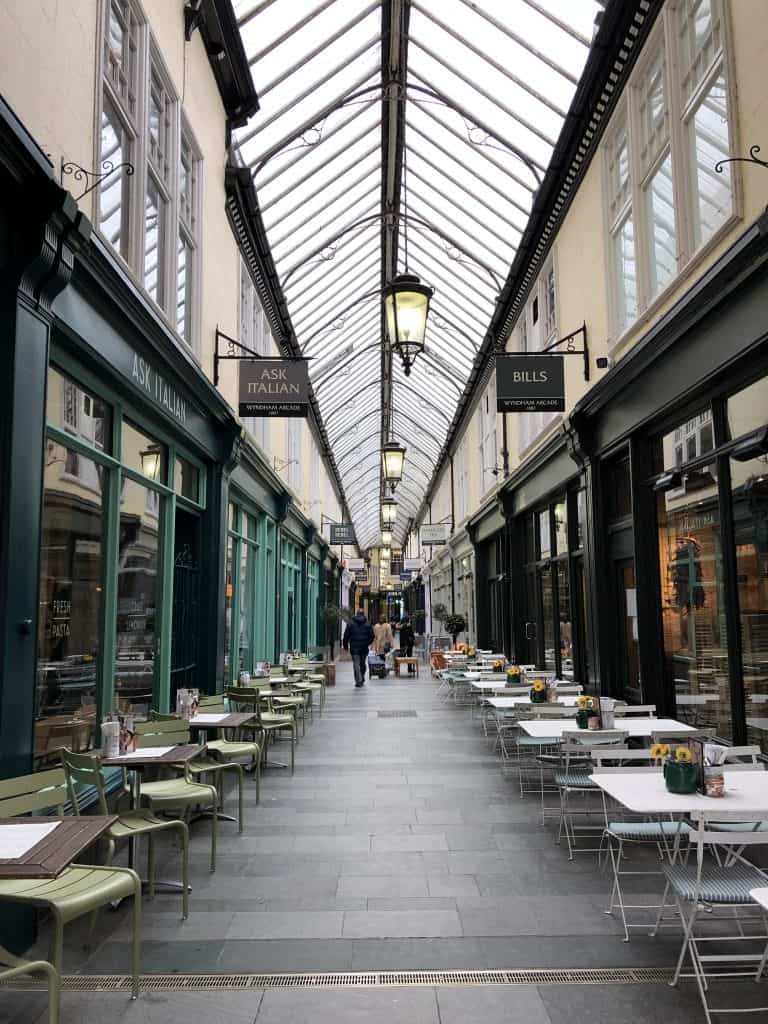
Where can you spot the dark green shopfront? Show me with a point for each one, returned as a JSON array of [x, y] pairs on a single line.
[[145, 545]]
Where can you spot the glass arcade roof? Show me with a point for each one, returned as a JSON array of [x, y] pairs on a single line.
[[394, 135]]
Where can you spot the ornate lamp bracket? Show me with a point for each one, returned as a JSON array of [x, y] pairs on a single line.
[[751, 159], [93, 179]]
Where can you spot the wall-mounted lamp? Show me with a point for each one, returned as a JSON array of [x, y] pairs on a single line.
[[151, 460]]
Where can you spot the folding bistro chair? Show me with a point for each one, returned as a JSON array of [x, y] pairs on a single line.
[[573, 777], [14, 967], [711, 895]]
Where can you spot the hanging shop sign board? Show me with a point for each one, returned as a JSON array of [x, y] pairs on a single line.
[[355, 564], [274, 387], [527, 383], [405, 577], [343, 533], [412, 564], [433, 533]]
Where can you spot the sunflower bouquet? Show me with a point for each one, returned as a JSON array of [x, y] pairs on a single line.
[[585, 710], [681, 774], [513, 673], [539, 692]]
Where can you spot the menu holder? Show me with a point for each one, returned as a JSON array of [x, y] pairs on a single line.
[[696, 748]]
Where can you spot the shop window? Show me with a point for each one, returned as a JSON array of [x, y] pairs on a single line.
[[747, 410], [79, 412], [664, 201], [560, 516], [186, 479], [618, 491], [229, 592], [545, 537], [749, 502], [142, 454], [138, 588], [581, 518], [71, 595], [692, 589]]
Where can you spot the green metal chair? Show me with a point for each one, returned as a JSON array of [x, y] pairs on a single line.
[[15, 967], [80, 888], [230, 750], [202, 764], [270, 722], [86, 770], [181, 793]]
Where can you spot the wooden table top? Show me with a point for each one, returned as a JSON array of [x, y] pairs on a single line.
[[178, 754], [58, 849], [230, 720]]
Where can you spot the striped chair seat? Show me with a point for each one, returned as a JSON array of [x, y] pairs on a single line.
[[718, 885], [536, 741], [648, 831], [738, 826], [574, 779]]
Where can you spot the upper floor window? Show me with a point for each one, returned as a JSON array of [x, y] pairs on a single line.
[[488, 436], [664, 199], [537, 329], [152, 217]]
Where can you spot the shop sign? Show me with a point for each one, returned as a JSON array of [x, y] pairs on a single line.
[[343, 533], [433, 534], [355, 564], [528, 383], [405, 577], [412, 564], [158, 389], [274, 387]]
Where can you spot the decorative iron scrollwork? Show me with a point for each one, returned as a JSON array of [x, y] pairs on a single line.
[[93, 179], [751, 159]]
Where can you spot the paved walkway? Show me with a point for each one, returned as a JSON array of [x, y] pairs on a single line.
[[397, 845]]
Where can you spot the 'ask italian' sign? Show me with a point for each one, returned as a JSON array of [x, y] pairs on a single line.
[[274, 387]]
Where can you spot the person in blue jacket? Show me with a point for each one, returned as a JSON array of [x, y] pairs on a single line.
[[358, 637]]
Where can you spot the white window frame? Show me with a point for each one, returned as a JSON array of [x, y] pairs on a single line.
[[166, 176], [664, 42], [489, 452], [190, 227], [533, 336]]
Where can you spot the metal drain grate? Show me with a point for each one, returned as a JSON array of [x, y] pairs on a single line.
[[369, 979], [397, 714]]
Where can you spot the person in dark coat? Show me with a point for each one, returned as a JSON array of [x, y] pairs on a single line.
[[358, 637], [407, 640]]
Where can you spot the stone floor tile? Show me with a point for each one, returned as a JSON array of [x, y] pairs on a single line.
[[383, 924], [408, 954], [497, 1004], [392, 886], [623, 1004], [311, 924], [349, 1006], [278, 956], [408, 843]]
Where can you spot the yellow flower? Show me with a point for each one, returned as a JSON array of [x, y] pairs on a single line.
[[584, 702], [539, 685], [659, 751], [514, 670], [683, 755]]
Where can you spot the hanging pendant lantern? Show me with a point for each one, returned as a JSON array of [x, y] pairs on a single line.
[[392, 456], [386, 538], [406, 305], [388, 512]]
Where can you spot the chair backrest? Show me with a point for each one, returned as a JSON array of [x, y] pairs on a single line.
[[277, 670], [162, 732], [249, 697], [751, 755], [83, 770], [576, 748], [212, 702], [631, 760], [40, 791], [550, 711], [647, 710], [680, 737], [437, 660]]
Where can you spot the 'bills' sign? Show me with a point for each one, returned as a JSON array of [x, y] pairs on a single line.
[[529, 383]]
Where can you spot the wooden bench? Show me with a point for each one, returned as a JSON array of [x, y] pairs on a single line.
[[406, 661]]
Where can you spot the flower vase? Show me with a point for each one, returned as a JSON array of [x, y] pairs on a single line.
[[538, 696], [681, 776], [582, 718]]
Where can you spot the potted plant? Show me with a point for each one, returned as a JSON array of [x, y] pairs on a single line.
[[681, 774], [539, 692], [454, 624], [417, 620], [514, 675], [498, 666], [439, 613], [586, 710]]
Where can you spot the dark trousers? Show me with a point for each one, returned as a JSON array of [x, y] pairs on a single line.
[[359, 662], [408, 653]]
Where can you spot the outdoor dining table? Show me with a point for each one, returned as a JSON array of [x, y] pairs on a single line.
[[523, 698], [746, 792], [636, 727], [221, 720], [41, 847]]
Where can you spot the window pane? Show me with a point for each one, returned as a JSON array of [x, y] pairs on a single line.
[[695, 640], [700, 41], [228, 603], [626, 274], [71, 574], [115, 190], [749, 485], [545, 540], [137, 595], [186, 479], [140, 453], [619, 490], [709, 143], [561, 528], [71, 408], [120, 53], [581, 517], [154, 242], [548, 618], [184, 265], [688, 441], [566, 626], [245, 591], [748, 409], [661, 221]]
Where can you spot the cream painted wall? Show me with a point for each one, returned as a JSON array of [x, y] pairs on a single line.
[[47, 72]]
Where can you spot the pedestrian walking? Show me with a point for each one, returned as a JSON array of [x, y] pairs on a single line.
[[382, 643], [407, 640], [358, 637]]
